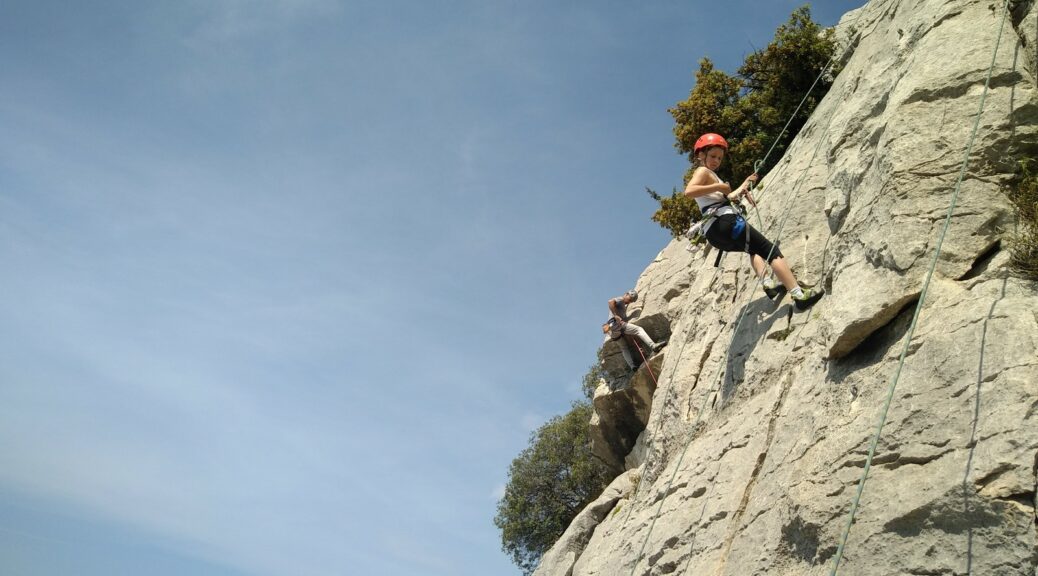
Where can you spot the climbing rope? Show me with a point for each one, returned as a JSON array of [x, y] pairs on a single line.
[[684, 341], [738, 323], [706, 397], [719, 372], [825, 69], [646, 362], [919, 304], [759, 163]]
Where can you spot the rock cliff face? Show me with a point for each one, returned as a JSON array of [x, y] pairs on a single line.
[[745, 454]]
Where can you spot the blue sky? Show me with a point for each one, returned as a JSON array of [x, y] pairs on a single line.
[[288, 283]]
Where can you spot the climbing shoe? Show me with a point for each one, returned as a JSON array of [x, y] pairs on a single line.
[[658, 346], [775, 291], [809, 298]]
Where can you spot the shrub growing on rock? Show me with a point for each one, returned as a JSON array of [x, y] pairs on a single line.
[[752, 108], [1023, 246], [549, 483]]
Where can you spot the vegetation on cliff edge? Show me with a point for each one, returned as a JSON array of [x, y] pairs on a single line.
[[1023, 245], [554, 478], [751, 108], [549, 483]]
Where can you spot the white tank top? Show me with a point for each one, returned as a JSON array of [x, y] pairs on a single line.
[[707, 200], [712, 198]]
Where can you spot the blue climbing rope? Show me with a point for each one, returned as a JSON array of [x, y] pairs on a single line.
[[919, 306]]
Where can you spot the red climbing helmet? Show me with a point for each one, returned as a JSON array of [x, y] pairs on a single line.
[[709, 139]]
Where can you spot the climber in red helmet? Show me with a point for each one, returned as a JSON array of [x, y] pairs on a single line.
[[725, 228]]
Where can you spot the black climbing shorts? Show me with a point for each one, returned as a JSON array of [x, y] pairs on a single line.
[[720, 236]]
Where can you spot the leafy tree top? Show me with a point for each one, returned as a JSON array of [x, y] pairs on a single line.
[[549, 483], [751, 108]]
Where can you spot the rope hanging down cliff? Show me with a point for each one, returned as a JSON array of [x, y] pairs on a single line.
[[907, 340], [710, 392], [919, 304]]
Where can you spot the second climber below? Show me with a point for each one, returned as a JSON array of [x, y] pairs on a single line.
[[726, 229], [618, 327]]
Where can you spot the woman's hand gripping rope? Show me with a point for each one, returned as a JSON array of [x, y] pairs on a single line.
[[743, 191]]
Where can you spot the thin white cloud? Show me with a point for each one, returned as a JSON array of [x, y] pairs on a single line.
[[227, 21], [531, 422], [290, 302], [498, 492]]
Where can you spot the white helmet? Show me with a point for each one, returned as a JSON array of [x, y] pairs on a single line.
[[633, 294]]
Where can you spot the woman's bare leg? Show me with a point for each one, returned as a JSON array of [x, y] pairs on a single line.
[[782, 271]]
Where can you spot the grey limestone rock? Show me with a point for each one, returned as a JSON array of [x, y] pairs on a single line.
[[754, 442]]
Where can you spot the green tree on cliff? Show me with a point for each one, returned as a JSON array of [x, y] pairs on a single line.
[[752, 108], [548, 484]]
